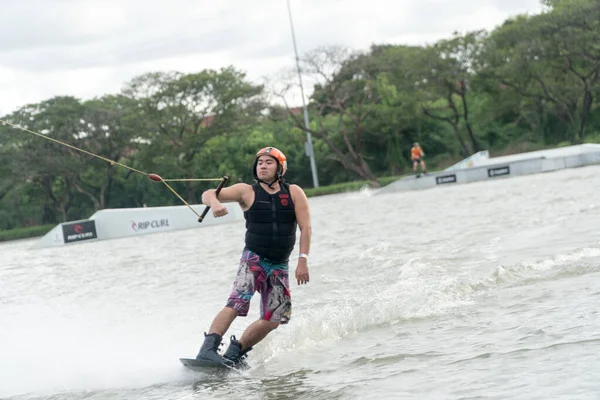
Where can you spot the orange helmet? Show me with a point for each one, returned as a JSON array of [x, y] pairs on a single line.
[[277, 155]]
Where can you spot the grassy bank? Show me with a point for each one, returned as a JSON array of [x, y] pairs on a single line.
[[35, 231], [347, 186], [23, 233]]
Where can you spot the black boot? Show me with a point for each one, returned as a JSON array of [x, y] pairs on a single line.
[[235, 355], [209, 349]]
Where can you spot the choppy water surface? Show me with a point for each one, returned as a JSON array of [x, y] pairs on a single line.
[[488, 290]]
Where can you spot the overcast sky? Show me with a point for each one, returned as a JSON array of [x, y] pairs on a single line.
[[88, 48]]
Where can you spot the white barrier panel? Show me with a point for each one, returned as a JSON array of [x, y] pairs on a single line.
[[124, 222]]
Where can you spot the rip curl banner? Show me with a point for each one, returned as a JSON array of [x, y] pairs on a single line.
[[77, 231]]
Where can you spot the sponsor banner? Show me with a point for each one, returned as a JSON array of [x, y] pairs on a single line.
[[440, 180], [149, 225], [77, 231], [498, 171]]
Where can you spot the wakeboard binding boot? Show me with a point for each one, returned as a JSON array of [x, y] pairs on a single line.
[[235, 355], [210, 349]]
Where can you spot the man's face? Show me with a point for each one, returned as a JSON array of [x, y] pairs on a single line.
[[266, 168]]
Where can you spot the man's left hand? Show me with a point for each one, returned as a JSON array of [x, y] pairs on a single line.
[[302, 275]]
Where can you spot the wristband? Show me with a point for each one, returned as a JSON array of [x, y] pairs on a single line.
[[303, 255]]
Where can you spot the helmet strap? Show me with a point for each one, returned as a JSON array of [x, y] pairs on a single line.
[[270, 185]]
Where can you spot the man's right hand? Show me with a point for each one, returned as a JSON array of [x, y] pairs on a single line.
[[219, 210]]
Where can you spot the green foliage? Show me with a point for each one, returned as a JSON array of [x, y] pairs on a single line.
[[351, 186]]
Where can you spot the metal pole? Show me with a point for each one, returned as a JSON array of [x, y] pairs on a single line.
[[309, 147]]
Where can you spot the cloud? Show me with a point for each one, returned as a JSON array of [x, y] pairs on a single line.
[[88, 48]]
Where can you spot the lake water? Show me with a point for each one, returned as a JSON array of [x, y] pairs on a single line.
[[489, 290]]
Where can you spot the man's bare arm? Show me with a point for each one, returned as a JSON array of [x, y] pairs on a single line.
[[302, 217], [233, 193]]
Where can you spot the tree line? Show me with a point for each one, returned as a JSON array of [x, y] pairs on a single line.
[[530, 83]]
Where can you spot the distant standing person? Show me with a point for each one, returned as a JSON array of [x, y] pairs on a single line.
[[416, 155]]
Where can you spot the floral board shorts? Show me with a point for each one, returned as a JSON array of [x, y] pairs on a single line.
[[256, 274]]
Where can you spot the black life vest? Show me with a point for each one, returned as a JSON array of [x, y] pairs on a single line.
[[271, 224]]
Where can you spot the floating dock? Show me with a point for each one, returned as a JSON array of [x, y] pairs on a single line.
[[480, 167]]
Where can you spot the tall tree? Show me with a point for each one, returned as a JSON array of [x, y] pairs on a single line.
[[110, 126], [48, 165], [398, 115], [445, 74], [184, 111], [342, 100], [552, 60]]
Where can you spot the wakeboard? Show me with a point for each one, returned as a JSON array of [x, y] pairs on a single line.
[[204, 365]]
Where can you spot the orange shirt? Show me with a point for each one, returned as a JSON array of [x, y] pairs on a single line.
[[416, 152]]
